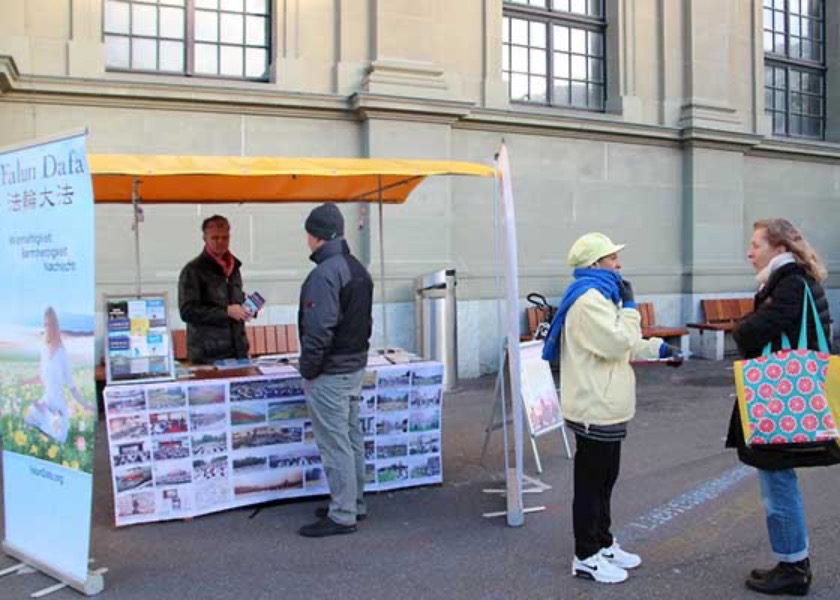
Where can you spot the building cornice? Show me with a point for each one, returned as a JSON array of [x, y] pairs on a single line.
[[153, 92]]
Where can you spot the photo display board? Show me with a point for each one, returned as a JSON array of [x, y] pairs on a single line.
[[137, 342], [189, 448]]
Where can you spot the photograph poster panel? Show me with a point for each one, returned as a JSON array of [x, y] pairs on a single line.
[[48, 402], [539, 393]]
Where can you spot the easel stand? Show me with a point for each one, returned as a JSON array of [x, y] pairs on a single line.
[[495, 423], [94, 584]]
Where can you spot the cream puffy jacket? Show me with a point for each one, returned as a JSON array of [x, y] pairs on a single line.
[[597, 383]]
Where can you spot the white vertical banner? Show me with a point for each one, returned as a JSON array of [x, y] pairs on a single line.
[[515, 514]]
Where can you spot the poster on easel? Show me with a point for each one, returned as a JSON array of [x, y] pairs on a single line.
[[47, 393], [539, 393], [137, 341]]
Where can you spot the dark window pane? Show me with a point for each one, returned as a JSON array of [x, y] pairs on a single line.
[[596, 70], [795, 125], [171, 56], [116, 17], [579, 94], [779, 44], [562, 89], [595, 9], [812, 128], [116, 52], [781, 101], [596, 43], [794, 80], [815, 106], [596, 96], [768, 98], [768, 75], [779, 123]]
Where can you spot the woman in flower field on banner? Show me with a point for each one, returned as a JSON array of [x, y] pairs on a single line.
[[597, 332], [785, 263], [51, 414]]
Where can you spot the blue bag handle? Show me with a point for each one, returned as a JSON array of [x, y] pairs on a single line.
[[807, 300]]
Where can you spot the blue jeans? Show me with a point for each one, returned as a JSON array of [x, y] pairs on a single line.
[[785, 514]]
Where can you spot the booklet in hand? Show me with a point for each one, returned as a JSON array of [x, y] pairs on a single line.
[[253, 303]]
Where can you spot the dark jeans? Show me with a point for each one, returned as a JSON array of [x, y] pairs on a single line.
[[596, 471]]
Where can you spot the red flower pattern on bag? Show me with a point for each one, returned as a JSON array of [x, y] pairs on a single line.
[[796, 404], [810, 423], [805, 386], [775, 407], [828, 422], [773, 372], [753, 375], [788, 424], [818, 403], [765, 391], [793, 367], [757, 411], [784, 387], [766, 426]]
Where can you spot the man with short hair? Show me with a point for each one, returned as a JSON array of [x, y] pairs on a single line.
[[210, 298], [335, 322]]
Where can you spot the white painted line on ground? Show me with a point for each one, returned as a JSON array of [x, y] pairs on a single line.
[[684, 503]]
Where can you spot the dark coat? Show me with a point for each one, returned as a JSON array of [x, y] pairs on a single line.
[[335, 317], [204, 293], [778, 309]]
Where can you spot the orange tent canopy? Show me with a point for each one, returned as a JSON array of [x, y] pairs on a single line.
[[225, 179]]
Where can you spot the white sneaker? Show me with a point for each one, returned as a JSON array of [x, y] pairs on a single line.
[[618, 557], [599, 569]]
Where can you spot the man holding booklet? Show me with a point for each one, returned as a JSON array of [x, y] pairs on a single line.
[[211, 300]]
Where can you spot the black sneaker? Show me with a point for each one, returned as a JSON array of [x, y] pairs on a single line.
[[325, 527], [322, 512], [784, 578]]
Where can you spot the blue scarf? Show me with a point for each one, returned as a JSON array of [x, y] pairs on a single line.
[[606, 282]]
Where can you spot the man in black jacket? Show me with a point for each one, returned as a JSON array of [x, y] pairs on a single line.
[[335, 322], [210, 298]]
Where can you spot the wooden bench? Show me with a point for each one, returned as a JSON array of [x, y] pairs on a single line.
[[721, 315], [535, 316], [651, 329]]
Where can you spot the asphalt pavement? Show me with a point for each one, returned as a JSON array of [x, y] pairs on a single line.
[[682, 501]]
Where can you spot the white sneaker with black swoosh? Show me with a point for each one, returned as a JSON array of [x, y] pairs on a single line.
[[599, 569], [621, 558]]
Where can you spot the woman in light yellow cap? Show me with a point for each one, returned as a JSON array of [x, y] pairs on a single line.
[[597, 331]]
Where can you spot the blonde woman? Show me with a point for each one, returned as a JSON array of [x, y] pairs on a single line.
[[785, 263], [50, 414]]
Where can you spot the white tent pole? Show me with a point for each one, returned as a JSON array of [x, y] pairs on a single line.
[[135, 204], [382, 268]]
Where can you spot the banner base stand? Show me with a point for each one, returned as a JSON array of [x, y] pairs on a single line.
[[92, 585], [538, 487]]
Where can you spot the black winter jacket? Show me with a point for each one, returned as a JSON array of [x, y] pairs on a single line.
[[778, 309], [204, 294], [335, 315]]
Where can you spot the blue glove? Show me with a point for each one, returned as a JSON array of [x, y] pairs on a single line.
[[674, 355], [628, 299]]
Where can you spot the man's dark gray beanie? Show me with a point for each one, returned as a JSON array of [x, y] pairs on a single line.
[[325, 222]]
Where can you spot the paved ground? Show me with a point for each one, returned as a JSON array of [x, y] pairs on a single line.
[[683, 502]]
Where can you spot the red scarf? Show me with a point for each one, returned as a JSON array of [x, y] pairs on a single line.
[[226, 260]]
